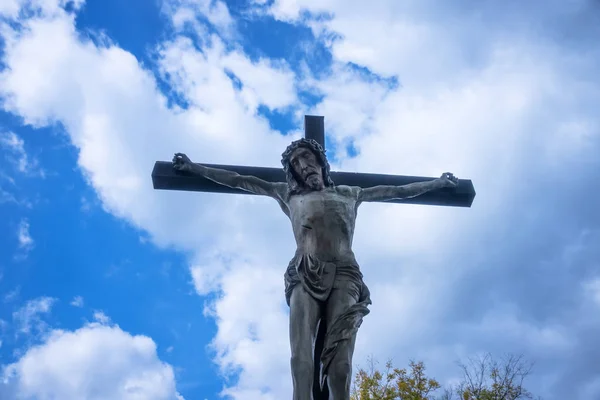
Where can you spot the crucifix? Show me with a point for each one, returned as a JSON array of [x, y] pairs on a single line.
[[324, 287]]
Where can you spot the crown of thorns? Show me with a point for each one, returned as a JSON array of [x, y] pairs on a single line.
[[319, 152]]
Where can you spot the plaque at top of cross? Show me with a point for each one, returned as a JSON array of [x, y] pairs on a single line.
[[324, 286]]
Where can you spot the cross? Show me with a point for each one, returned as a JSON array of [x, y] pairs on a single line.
[[164, 177], [462, 195]]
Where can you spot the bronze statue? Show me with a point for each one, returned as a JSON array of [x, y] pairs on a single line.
[[323, 283]]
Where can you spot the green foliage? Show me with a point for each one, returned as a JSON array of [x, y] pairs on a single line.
[[483, 378], [394, 383]]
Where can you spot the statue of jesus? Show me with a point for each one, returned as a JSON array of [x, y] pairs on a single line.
[[324, 287]]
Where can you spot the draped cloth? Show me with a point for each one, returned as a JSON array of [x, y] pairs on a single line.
[[319, 276]]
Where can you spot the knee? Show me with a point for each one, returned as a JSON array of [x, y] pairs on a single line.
[[340, 370], [301, 363]]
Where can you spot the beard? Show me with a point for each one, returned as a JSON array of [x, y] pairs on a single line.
[[314, 182]]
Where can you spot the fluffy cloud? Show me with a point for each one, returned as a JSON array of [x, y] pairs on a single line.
[[250, 342], [16, 9], [195, 13], [94, 362], [106, 101], [498, 105], [28, 317]]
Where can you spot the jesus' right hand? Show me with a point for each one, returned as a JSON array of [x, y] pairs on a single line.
[[181, 162]]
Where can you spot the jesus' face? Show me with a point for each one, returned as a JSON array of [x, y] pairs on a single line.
[[307, 168]]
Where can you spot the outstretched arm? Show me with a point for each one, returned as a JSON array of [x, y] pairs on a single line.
[[249, 183], [385, 192]]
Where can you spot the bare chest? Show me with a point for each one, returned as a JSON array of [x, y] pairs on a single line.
[[326, 206]]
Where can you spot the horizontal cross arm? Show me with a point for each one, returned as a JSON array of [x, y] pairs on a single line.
[[164, 177]]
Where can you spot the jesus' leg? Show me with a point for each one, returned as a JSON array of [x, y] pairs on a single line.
[[339, 374], [304, 314]]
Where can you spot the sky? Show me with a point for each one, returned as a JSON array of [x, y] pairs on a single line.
[[110, 289]]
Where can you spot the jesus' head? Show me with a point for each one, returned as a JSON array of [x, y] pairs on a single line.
[[306, 166]]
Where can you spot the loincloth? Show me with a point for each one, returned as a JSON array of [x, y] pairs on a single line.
[[319, 278]]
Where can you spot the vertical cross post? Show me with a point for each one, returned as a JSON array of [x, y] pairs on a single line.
[[314, 128]]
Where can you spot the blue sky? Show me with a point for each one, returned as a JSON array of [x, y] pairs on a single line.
[[110, 289]]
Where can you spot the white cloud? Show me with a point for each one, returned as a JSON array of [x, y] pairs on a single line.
[[15, 144], [77, 301], [7, 197], [249, 338], [25, 241], [86, 205], [592, 289], [13, 8], [503, 320], [23, 235], [93, 111], [193, 12], [92, 363], [10, 8], [29, 317], [16, 147], [101, 318], [196, 73], [12, 295]]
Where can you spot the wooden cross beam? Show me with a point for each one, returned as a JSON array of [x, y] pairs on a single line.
[[164, 177]]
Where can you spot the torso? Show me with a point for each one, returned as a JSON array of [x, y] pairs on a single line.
[[323, 221]]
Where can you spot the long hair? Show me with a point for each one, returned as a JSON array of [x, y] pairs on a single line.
[[294, 185]]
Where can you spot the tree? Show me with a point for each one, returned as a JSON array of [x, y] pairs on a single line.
[[394, 383], [483, 378], [487, 379]]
